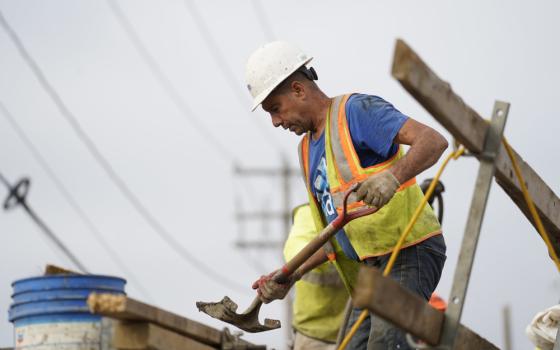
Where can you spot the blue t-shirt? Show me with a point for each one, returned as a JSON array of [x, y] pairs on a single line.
[[373, 124]]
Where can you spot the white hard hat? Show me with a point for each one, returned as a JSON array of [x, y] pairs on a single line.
[[269, 65]]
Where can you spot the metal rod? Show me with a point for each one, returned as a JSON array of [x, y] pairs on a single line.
[[506, 312], [285, 172], [474, 222], [286, 209]]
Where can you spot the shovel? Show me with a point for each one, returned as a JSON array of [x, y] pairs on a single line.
[[225, 310]]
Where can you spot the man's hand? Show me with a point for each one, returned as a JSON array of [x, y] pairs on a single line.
[[378, 189], [269, 290]]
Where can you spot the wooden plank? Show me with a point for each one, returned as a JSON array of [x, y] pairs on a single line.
[[147, 336], [386, 298], [123, 308], [469, 128], [408, 311], [57, 270]]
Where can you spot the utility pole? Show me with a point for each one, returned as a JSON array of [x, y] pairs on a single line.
[[506, 315], [285, 173]]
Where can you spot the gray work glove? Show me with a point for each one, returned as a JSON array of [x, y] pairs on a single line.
[[378, 189], [269, 290]]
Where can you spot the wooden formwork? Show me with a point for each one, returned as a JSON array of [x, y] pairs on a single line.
[[386, 298], [133, 325]]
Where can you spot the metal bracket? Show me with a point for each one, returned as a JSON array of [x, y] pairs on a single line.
[[486, 170]]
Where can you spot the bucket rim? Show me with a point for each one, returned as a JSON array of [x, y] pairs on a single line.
[[77, 276], [20, 303], [84, 313], [91, 290]]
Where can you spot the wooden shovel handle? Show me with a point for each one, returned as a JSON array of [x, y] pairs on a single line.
[[282, 275]]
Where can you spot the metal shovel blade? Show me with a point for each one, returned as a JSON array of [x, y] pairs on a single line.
[[225, 310]]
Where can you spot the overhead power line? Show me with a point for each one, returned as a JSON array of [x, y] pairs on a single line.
[[262, 19], [226, 70], [17, 196], [170, 90], [166, 84], [73, 202], [117, 180]]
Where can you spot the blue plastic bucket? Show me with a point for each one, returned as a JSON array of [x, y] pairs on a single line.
[[51, 312]]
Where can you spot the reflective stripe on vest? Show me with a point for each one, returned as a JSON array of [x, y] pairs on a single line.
[[344, 171], [347, 163]]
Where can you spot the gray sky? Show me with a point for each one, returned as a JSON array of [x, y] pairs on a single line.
[[487, 50]]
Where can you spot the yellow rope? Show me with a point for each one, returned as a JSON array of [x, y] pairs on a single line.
[[400, 243], [530, 204], [398, 246], [396, 250]]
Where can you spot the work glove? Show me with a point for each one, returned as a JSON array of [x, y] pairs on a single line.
[[378, 189], [270, 290]]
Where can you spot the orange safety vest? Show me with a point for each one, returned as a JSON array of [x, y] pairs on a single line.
[[378, 233]]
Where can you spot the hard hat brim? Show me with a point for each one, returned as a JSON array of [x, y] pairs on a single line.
[[263, 95]]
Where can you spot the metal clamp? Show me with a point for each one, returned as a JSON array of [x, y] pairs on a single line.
[[18, 193]]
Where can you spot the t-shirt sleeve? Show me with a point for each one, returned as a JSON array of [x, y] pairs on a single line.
[[373, 123]]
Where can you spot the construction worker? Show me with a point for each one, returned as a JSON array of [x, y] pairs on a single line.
[[315, 326], [320, 297], [348, 140]]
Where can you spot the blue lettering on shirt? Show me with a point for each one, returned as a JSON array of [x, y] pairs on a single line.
[[373, 124]]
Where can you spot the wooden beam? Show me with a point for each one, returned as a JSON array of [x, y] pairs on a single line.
[[147, 336], [123, 308], [469, 128], [386, 298]]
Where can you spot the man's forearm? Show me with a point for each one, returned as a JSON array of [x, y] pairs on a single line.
[[424, 152]]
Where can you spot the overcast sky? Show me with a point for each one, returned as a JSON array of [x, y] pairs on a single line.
[[173, 120]]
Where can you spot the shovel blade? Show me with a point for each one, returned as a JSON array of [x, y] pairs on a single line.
[[225, 310]]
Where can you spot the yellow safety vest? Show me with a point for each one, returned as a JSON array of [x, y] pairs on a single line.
[[375, 234], [320, 296]]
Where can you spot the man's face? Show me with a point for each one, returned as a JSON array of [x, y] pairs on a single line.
[[286, 110]]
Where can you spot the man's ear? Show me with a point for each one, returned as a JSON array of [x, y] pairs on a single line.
[[298, 88]]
